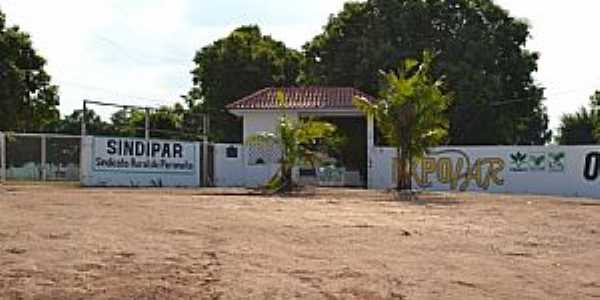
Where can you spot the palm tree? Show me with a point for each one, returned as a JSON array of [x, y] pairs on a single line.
[[296, 141], [410, 113]]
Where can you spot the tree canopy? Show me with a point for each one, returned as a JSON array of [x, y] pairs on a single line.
[[71, 124], [234, 67], [166, 122], [28, 101], [583, 126], [480, 53]]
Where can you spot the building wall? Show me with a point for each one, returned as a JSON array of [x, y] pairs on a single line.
[[255, 122], [552, 170], [265, 121], [380, 168], [229, 171]]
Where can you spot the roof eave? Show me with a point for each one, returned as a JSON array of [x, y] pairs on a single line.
[[349, 110]]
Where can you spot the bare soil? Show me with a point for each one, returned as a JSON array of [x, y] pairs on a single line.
[[61, 242]]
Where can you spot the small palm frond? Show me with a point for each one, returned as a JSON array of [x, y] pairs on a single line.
[[280, 98], [362, 104], [263, 138]]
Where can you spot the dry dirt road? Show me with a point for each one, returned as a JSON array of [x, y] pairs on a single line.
[[71, 243]]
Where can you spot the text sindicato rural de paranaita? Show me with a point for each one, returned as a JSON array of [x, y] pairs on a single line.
[[136, 154]]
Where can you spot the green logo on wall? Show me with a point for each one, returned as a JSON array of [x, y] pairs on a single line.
[[556, 161], [537, 162], [518, 162]]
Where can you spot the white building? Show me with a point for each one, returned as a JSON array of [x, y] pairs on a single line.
[[261, 113]]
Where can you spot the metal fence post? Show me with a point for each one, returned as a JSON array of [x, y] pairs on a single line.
[[44, 173], [83, 120], [2, 157]]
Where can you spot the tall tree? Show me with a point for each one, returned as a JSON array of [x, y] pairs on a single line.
[[481, 55], [583, 126], [28, 101], [234, 67], [410, 113]]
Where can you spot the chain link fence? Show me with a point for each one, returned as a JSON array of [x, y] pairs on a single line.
[[39, 157]]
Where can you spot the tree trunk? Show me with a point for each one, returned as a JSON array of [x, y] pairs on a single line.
[[286, 179], [404, 178], [409, 171]]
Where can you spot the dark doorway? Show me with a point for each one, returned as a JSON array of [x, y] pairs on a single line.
[[353, 154]]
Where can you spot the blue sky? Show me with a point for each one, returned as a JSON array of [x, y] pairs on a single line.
[[140, 51]]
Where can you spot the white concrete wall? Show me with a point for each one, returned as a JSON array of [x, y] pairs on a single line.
[[94, 148], [493, 169], [263, 121], [229, 172], [380, 168]]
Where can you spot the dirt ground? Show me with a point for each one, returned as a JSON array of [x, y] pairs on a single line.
[[72, 243]]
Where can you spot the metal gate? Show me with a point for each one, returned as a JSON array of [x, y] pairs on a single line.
[[207, 166], [39, 157]]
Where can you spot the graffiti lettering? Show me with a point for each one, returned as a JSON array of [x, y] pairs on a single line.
[[458, 173]]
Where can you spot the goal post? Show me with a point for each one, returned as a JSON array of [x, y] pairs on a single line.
[[146, 109]]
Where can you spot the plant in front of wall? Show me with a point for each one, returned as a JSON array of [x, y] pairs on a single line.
[[411, 113], [297, 142], [157, 183], [134, 184]]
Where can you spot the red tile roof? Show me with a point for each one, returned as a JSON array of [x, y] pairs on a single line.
[[310, 97]]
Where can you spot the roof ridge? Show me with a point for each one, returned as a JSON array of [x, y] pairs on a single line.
[[248, 97], [299, 97]]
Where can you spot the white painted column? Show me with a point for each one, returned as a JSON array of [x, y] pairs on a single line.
[[85, 160], [370, 148], [2, 157]]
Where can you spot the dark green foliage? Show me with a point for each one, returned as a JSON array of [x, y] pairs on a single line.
[[582, 127], [71, 124], [27, 99], [165, 123], [480, 54], [236, 66], [578, 128]]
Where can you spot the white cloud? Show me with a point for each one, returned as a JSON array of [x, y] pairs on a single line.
[[140, 52], [563, 33], [129, 50]]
